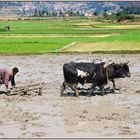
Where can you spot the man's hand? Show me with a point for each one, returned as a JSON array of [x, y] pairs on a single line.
[[8, 91], [13, 87]]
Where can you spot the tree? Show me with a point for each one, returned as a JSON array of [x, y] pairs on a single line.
[[23, 11], [60, 13], [47, 13], [120, 16], [105, 13], [35, 12], [95, 13], [77, 13]]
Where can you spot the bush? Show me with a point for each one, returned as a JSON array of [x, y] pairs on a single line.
[[118, 17], [121, 16]]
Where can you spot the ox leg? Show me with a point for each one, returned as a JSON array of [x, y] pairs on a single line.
[[75, 85], [74, 88], [77, 92], [114, 85], [102, 91], [62, 88], [91, 90]]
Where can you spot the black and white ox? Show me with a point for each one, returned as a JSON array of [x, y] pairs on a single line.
[[90, 72]]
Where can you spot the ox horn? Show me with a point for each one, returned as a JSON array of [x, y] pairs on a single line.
[[126, 62], [108, 63]]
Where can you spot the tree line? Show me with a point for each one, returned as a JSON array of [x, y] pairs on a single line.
[[48, 13]]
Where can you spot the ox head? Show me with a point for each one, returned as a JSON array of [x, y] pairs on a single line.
[[120, 70], [126, 69]]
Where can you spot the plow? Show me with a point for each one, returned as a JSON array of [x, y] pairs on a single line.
[[37, 88]]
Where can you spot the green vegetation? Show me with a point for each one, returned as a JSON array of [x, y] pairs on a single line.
[[42, 36], [121, 16], [118, 17], [105, 47]]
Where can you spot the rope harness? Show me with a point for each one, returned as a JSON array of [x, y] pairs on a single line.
[[106, 71], [106, 66]]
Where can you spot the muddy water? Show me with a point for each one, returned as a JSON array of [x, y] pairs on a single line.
[[51, 116]]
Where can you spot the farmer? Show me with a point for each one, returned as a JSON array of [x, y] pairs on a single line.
[[7, 75]]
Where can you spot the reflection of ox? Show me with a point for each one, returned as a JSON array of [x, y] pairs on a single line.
[[90, 72]]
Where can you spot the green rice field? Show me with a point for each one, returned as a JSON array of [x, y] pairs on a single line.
[[45, 36]]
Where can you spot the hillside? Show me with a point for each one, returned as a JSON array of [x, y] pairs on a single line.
[[60, 8]]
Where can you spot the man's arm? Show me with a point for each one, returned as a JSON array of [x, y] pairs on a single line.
[[13, 81], [6, 79]]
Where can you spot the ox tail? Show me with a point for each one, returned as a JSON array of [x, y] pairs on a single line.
[[62, 88]]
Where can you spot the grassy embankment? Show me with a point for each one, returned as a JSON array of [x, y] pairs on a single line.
[[32, 37]]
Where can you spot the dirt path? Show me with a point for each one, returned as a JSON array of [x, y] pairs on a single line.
[[51, 116], [55, 35]]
